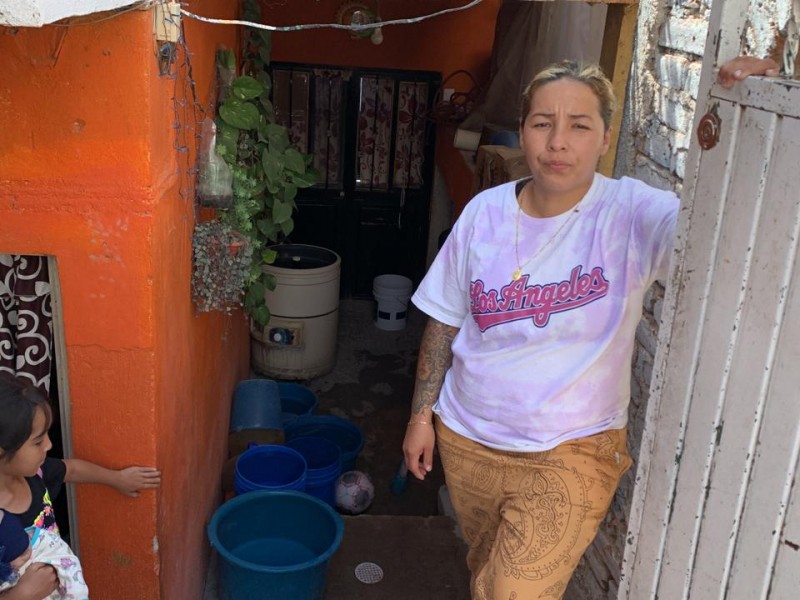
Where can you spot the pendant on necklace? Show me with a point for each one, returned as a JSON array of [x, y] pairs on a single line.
[[517, 274]]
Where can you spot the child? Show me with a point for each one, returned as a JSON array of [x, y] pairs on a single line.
[[29, 480], [20, 549]]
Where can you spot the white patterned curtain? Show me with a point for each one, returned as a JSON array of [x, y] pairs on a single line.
[[409, 151], [26, 318], [376, 106]]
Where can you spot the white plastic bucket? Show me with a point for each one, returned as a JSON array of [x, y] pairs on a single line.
[[392, 293]]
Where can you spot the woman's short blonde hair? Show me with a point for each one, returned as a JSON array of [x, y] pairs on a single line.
[[588, 74]]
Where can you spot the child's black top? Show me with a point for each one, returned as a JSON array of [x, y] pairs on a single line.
[[45, 486]]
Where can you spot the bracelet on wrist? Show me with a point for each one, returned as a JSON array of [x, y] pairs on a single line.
[[419, 423]]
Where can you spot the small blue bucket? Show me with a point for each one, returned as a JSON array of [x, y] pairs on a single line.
[[345, 434], [324, 461], [274, 545], [296, 400], [269, 467], [256, 405]]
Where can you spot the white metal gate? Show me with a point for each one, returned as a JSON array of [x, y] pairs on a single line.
[[716, 510]]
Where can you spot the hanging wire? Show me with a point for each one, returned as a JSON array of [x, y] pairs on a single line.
[[351, 27]]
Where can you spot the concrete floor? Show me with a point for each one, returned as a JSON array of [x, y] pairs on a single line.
[[418, 550]]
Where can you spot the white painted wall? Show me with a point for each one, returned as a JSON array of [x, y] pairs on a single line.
[[37, 13]]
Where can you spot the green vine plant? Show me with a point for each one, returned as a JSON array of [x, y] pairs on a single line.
[[266, 170]]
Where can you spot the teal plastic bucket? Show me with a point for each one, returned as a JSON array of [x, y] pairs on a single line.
[[269, 467], [324, 465], [256, 405], [274, 545], [345, 434], [296, 400]]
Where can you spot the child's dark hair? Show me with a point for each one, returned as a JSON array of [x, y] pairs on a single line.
[[19, 401]]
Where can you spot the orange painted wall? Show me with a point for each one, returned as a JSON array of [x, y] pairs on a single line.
[[461, 40], [201, 356], [89, 173]]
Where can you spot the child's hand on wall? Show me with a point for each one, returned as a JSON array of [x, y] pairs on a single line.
[[132, 480], [128, 481], [743, 66]]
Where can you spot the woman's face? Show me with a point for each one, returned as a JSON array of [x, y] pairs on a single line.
[[563, 138], [27, 460]]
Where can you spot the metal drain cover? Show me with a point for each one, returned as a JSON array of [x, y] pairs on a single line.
[[369, 572]]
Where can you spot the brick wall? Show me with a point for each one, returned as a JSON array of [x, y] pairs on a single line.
[[657, 130]]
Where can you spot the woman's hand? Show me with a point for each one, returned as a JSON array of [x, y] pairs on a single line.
[[37, 582], [743, 66], [418, 448], [132, 480]]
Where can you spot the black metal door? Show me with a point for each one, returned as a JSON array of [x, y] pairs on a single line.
[[372, 143]]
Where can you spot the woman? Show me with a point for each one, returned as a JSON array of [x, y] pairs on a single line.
[[534, 300]]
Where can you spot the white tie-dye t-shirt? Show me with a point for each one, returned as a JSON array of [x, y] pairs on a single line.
[[546, 358]]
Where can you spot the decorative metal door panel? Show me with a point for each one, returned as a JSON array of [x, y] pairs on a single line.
[[372, 143], [716, 512]]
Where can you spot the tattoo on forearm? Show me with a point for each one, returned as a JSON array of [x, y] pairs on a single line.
[[435, 357]]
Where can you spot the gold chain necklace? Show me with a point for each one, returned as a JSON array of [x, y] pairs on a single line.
[[518, 271]]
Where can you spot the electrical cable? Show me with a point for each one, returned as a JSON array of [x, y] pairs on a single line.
[[329, 25], [459, 105]]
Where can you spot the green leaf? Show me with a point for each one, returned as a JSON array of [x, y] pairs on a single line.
[[245, 88], [255, 293], [287, 227], [281, 211], [269, 110], [260, 314], [227, 138], [304, 180], [289, 193], [268, 256], [273, 168], [278, 137], [294, 161], [241, 115], [265, 80], [226, 59], [272, 188], [258, 190], [269, 228]]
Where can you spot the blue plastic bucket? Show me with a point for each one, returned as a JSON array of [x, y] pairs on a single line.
[[345, 434], [274, 545], [324, 465], [256, 405], [269, 467], [296, 400]]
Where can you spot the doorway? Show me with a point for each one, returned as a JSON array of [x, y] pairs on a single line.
[[372, 144], [33, 348]]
